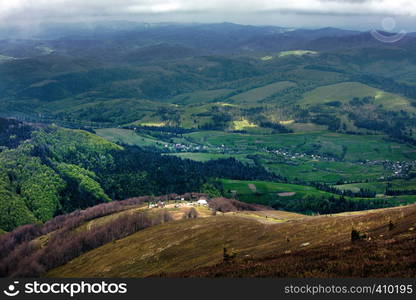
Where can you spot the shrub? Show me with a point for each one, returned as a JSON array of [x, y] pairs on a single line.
[[191, 214], [229, 205], [355, 235], [9, 241], [391, 225], [28, 260], [228, 258]]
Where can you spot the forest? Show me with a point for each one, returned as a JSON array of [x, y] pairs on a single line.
[[57, 171]]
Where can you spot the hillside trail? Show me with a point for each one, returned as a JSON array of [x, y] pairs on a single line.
[[268, 217]]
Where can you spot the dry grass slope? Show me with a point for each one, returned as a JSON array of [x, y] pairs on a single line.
[[266, 243]]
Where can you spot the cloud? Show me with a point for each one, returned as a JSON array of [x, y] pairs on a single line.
[[37, 11], [117, 7]]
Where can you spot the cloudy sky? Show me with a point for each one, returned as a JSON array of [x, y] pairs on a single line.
[[358, 14]]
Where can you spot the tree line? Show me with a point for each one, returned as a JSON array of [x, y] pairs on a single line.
[[362, 193], [330, 204], [61, 170], [28, 260]]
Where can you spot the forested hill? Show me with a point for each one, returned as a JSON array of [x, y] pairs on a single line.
[[13, 132], [51, 170]]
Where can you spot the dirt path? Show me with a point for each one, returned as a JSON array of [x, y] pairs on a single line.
[[259, 218]]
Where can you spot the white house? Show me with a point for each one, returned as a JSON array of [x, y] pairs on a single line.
[[202, 202]]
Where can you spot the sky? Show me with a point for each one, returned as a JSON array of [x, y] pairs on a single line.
[[352, 14]]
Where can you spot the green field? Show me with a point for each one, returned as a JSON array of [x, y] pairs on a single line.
[[380, 187], [258, 191], [200, 96], [258, 94], [351, 148], [346, 91], [128, 137], [267, 193], [196, 115], [350, 153], [305, 127], [314, 156], [329, 172], [203, 157]]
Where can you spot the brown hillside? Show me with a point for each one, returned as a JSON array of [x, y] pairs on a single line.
[[264, 244]]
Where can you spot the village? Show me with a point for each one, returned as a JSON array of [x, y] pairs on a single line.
[[297, 155], [223, 149], [178, 147], [176, 201], [398, 168]]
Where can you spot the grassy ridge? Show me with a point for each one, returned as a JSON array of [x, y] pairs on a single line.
[[385, 253], [346, 91], [201, 96], [260, 93], [195, 247]]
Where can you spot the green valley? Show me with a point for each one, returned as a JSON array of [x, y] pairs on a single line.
[[174, 144]]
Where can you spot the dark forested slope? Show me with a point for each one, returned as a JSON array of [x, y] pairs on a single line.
[[59, 170]]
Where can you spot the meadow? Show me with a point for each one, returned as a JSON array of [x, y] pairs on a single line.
[[260, 191], [260, 93], [346, 147], [329, 172], [380, 186], [128, 137], [317, 156], [346, 91]]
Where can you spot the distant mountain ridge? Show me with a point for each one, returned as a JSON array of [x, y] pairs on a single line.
[[219, 38], [120, 73]]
